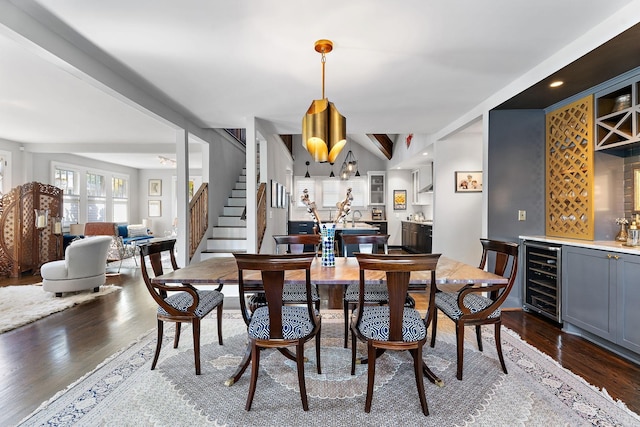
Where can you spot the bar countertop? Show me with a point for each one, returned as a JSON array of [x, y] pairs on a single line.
[[604, 245]]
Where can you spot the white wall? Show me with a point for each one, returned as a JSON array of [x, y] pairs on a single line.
[[279, 169], [457, 216]]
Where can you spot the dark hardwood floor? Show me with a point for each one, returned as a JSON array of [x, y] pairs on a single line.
[[44, 357]]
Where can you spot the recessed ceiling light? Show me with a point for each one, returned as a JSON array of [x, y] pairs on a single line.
[[425, 154], [557, 83]]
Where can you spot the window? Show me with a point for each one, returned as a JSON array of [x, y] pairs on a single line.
[[96, 198], [69, 182], [120, 199]]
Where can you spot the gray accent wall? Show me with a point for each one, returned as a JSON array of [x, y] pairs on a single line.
[[516, 179]]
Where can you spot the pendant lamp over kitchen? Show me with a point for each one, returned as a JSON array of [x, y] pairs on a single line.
[[324, 129]]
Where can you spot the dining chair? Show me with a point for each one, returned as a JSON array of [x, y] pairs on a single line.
[[393, 326], [177, 303], [277, 325], [374, 293], [479, 304], [295, 293]]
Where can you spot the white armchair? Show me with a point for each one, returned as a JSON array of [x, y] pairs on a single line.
[[83, 267]]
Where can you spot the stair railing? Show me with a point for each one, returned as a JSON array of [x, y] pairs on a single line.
[[261, 212], [198, 218]]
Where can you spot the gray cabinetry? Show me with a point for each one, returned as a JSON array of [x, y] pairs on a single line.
[[601, 294]]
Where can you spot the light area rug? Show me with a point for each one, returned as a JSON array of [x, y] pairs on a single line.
[[23, 304], [123, 391]]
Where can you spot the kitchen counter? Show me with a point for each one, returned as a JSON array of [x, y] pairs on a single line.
[[604, 245], [426, 221]]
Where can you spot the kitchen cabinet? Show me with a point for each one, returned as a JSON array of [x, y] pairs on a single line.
[[382, 225], [600, 295], [417, 237], [570, 171], [616, 115], [377, 188]]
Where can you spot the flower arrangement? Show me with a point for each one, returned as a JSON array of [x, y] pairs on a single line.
[[621, 221]]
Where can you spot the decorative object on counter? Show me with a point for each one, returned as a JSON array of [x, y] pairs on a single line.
[[328, 233], [311, 207], [622, 234], [344, 207], [633, 235], [468, 182], [399, 200], [324, 129]]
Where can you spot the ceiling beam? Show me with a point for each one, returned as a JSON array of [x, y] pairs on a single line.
[[383, 142]]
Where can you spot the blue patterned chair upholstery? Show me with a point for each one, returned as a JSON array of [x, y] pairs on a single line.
[[277, 325], [177, 302], [393, 326], [477, 305], [374, 294]]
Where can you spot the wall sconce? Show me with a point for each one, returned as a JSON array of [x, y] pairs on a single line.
[[306, 175]]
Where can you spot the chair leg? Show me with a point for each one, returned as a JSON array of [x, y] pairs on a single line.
[[195, 324], [371, 367], [460, 347], [345, 305], [158, 344], [499, 347], [219, 315], [301, 384], [417, 364], [434, 325], [176, 338], [353, 353], [479, 336], [255, 365], [318, 350]]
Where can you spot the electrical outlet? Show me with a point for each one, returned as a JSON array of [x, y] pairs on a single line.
[[522, 215]]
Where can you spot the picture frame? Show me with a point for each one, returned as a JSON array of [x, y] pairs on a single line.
[[155, 187], [155, 208], [280, 196], [274, 194], [399, 200], [468, 181]]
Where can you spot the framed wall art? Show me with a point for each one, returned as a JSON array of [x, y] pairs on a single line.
[[399, 200], [468, 181], [274, 194], [155, 208], [155, 187]]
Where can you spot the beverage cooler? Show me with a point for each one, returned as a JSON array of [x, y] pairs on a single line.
[[542, 279]]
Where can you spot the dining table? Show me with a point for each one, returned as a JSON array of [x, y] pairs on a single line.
[[224, 271]]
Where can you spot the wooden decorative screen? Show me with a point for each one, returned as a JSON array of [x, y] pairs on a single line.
[[569, 186]]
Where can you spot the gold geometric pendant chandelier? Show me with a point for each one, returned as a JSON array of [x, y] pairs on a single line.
[[324, 129]]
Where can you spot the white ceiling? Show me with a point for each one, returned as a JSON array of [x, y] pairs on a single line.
[[409, 67]]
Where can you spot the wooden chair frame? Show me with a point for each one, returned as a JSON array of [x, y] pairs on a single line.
[[505, 256], [160, 292], [381, 240], [273, 268], [398, 270]]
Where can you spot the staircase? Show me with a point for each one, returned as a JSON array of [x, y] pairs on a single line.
[[230, 235]]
